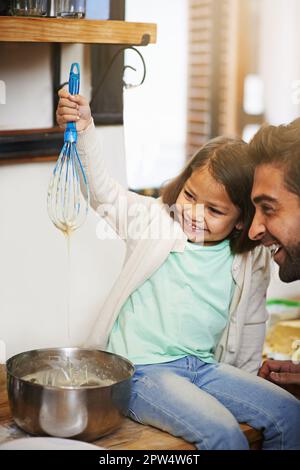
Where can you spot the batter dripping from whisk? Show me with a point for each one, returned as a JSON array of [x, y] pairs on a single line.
[[67, 205]]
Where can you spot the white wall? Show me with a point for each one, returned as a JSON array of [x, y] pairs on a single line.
[[280, 59], [26, 71], [280, 71], [33, 254], [155, 113], [281, 290]]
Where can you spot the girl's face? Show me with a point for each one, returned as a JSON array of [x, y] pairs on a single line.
[[205, 210]]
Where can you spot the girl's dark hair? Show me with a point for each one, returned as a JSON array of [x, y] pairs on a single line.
[[228, 162]]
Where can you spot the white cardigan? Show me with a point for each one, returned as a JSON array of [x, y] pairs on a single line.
[[242, 341]]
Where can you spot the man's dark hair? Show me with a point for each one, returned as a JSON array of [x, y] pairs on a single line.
[[279, 146]]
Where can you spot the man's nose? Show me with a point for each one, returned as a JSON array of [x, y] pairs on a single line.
[[257, 229]]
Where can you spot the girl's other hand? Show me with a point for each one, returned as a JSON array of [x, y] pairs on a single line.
[[73, 108]]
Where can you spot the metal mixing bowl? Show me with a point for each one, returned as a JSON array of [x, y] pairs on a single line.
[[79, 412]]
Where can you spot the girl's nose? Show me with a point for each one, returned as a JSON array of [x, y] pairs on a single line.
[[257, 229], [198, 212]]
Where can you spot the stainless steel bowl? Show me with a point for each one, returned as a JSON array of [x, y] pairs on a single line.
[[81, 412]]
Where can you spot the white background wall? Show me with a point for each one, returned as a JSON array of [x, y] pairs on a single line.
[[280, 58], [280, 71], [155, 113], [26, 72]]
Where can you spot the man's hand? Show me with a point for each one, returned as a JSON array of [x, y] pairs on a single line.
[[283, 373]]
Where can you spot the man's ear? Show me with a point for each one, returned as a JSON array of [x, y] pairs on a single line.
[[239, 226]]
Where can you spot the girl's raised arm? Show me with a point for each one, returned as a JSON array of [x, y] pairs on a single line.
[[118, 206]]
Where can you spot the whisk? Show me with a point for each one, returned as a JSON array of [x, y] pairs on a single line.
[[67, 204]]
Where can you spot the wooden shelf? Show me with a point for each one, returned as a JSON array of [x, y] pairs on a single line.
[[20, 29]]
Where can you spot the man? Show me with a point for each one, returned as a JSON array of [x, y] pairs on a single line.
[[276, 196]]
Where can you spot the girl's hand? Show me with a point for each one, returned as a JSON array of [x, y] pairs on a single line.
[[73, 108]]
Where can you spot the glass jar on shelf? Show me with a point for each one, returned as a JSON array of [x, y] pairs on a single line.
[[29, 7], [70, 8]]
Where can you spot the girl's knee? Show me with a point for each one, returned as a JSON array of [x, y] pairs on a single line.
[[225, 436]]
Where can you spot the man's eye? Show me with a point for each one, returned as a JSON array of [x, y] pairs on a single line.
[[267, 209], [215, 211]]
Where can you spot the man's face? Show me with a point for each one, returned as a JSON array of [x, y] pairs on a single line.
[[277, 219]]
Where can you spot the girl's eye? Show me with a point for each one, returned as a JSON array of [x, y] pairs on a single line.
[[215, 211], [189, 195]]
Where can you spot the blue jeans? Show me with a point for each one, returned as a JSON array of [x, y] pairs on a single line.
[[203, 403]]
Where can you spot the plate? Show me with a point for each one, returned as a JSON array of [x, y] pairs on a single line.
[[47, 443]]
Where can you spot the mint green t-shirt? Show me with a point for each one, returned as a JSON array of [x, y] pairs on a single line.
[[182, 309]]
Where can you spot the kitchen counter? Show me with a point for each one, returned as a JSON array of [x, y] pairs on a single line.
[[130, 436]]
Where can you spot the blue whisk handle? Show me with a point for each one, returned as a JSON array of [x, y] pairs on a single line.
[[74, 79], [74, 85]]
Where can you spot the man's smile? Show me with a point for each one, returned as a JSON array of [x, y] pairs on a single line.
[[277, 250]]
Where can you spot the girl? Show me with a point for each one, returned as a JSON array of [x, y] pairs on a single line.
[[188, 308]]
